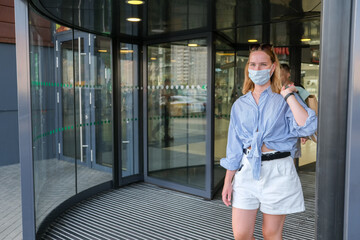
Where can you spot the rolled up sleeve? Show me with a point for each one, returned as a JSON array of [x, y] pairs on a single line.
[[234, 149], [310, 125]]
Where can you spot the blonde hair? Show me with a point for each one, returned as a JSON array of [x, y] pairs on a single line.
[[275, 78]]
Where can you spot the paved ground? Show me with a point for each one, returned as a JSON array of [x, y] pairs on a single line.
[[10, 199], [55, 183]]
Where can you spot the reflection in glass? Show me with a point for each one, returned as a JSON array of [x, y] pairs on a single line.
[[93, 102], [92, 15], [71, 103], [68, 137], [54, 178], [310, 81], [102, 58], [224, 91], [250, 34], [253, 12], [177, 96], [287, 33], [225, 13], [129, 109], [127, 11], [176, 15]]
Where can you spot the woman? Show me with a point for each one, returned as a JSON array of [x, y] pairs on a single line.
[[265, 124]]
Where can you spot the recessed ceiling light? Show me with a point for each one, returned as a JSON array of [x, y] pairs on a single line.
[[133, 19], [193, 45], [158, 30], [135, 2], [305, 39], [152, 58], [126, 51], [102, 50], [225, 54], [252, 40]]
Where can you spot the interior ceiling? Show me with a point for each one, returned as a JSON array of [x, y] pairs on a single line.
[[174, 15]]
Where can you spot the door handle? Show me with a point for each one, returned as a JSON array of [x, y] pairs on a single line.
[[80, 103]]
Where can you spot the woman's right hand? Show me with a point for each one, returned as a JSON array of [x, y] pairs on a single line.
[[226, 193]]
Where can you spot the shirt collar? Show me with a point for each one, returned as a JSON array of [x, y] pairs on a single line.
[[268, 90]]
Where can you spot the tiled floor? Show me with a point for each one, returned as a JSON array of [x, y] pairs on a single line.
[[10, 198], [55, 183]]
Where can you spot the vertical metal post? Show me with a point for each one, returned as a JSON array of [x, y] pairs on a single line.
[[116, 110], [209, 164], [352, 181], [24, 116], [333, 102], [145, 110]]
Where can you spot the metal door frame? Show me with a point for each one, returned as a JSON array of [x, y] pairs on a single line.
[[208, 190], [90, 132]]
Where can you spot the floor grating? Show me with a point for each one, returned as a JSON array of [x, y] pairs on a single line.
[[145, 211]]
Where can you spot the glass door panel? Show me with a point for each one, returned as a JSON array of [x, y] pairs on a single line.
[[67, 101], [224, 91], [101, 81], [177, 96], [93, 93], [85, 106], [129, 109]]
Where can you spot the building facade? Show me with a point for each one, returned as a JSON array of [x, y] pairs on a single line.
[[111, 92]]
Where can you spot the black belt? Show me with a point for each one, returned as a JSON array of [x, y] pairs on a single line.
[[272, 156]]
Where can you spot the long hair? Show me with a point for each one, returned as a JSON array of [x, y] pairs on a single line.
[[275, 78]]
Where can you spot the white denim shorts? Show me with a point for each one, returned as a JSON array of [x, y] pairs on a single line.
[[277, 192]]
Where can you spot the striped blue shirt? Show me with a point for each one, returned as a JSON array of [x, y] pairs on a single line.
[[271, 122]]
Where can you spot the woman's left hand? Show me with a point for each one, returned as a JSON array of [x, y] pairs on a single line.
[[288, 89]]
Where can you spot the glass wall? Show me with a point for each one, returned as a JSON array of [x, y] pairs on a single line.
[[92, 15], [71, 102], [130, 17], [177, 96], [310, 81]]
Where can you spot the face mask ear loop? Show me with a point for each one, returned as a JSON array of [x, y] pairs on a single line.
[[271, 73]]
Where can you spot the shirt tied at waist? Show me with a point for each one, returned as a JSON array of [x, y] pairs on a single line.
[[254, 156]]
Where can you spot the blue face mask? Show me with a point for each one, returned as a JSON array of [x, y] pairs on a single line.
[[260, 77]]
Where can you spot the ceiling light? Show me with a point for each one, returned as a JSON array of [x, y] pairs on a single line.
[[135, 2], [152, 58], [102, 50], [158, 30], [124, 51], [193, 45], [305, 39], [133, 19], [225, 54], [252, 40]]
